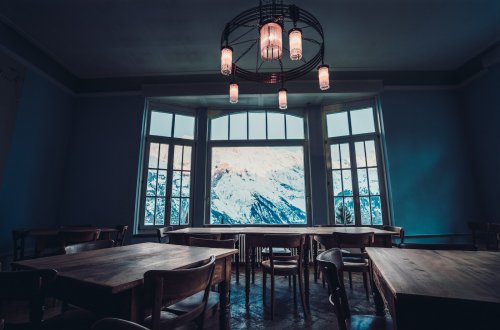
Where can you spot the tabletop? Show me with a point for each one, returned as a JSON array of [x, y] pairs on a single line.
[[466, 275], [121, 268], [280, 230]]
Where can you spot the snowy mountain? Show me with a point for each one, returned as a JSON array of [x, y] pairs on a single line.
[[258, 185]]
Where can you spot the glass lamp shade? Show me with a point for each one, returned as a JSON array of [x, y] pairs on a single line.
[[324, 77], [233, 92], [226, 60], [282, 99], [295, 39], [271, 42]]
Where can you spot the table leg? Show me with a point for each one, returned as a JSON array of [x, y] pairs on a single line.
[[377, 297], [237, 260], [224, 294], [315, 262], [306, 270], [253, 265], [247, 274]]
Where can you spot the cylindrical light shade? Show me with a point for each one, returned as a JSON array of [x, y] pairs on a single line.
[[271, 41], [233, 92], [295, 39], [282, 99], [324, 77], [226, 60]]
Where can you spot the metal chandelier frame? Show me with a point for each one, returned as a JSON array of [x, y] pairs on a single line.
[[277, 12]]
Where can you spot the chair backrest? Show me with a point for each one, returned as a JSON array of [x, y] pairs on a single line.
[[457, 247], [291, 241], [330, 263], [495, 229], [89, 246], [26, 285], [163, 287], [213, 243], [18, 240], [120, 235], [204, 236], [399, 230], [352, 240], [74, 236], [111, 323], [162, 232]]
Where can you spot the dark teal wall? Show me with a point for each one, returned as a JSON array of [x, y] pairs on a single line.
[[103, 161], [431, 184], [481, 99], [31, 190]]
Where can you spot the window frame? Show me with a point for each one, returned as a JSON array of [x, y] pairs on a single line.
[[304, 143], [351, 139], [171, 142]]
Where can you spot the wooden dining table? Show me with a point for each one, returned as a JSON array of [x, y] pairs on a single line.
[[254, 237], [429, 289], [110, 281]]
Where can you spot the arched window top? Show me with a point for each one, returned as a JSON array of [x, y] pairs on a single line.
[[257, 125]]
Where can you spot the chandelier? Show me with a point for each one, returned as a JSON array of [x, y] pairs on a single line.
[[252, 47]]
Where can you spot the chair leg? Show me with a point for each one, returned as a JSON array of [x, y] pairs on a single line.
[[272, 296], [253, 266], [237, 266], [295, 289], [264, 280], [365, 283], [303, 297], [289, 281], [350, 280]]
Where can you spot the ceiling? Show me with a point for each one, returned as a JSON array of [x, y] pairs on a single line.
[[127, 38]]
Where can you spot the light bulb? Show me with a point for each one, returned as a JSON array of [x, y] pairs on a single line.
[[226, 60], [233, 92], [324, 77], [271, 41]]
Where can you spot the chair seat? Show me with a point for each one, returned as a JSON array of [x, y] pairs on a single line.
[[277, 251], [191, 302], [281, 267], [368, 322], [167, 321], [69, 320]]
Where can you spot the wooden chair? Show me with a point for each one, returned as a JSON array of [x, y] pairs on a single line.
[[236, 238], [89, 246], [353, 262], [120, 234], [400, 234], [161, 287], [68, 237], [480, 232], [19, 242], [111, 323], [28, 286], [494, 228], [162, 234], [284, 265], [457, 247], [332, 267], [213, 299]]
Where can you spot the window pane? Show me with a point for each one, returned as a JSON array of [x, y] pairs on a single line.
[[376, 210], [359, 147], [347, 181], [257, 125], [150, 211], [184, 127], [161, 124], [186, 184], [252, 185], [162, 183], [337, 183], [338, 206], [176, 184], [151, 184], [349, 211], [153, 155], [337, 124], [335, 154], [163, 156], [371, 156], [363, 182], [364, 204], [160, 211], [184, 211], [275, 125], [178, 157], [174, 211], [373, 175], [345, 155], [362, 121], [294, 127], [186, 160], [238, 126], [218, 128]]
